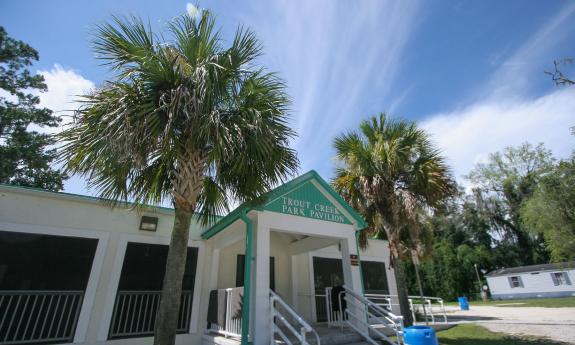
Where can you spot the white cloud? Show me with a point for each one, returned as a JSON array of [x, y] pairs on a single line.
[[64, 87], [501, 112], [332, 54], [468, 135], [191, 9]]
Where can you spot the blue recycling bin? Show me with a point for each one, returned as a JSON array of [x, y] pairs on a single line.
[[463, 304], [420, 335]]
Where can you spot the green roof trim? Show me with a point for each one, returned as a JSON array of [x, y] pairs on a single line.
[[301, 189]]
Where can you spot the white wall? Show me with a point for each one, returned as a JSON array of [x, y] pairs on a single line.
[[534, 285], [32, 211], [282, 262]]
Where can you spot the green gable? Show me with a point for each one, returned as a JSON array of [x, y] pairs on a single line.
[[304, 196], [307, 201]]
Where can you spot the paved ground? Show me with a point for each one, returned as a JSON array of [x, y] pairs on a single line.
[[555, 323]]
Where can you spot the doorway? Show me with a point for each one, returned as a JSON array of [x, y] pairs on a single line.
[[327, 272]]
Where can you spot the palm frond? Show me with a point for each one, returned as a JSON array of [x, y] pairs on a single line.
[[182, 112], [389, 171]]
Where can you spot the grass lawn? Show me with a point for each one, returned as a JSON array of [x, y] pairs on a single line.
[[469, 334], [560, 302]]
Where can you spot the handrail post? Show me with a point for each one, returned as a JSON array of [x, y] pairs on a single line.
[[443, 310]]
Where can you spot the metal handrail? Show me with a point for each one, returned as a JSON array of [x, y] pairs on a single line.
[[36, 316], [376, 297], [362, 321], [428, 302], [304, 327]]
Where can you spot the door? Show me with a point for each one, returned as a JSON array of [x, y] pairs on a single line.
[[326, 272]]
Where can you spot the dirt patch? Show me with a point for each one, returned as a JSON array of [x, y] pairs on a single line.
[[554, 323]]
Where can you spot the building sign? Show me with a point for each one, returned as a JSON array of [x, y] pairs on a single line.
[[307, 201], [354, 259]]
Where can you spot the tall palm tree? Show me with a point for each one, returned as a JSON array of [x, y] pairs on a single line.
[[390, 171], [184, 120]]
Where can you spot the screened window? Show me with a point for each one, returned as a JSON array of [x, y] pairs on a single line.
[[240, 267], [45, 262], [560, 278], [515, 282], [139, 290], [327, 273], [374, 277], [145, 265]]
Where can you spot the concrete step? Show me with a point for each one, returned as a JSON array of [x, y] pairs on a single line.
[[328, 336]]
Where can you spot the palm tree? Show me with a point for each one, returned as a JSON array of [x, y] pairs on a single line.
[[184, 121], [391, 173]]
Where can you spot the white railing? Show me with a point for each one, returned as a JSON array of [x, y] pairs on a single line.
[[427, 305], [381, 300], [284, 318], [135, 313], [230, 321], [434, 307], [38, 316], [364, 316]]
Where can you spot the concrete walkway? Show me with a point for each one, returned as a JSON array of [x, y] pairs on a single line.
[[554, 323]]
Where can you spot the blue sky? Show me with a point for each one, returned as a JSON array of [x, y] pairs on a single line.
[[471, 73]]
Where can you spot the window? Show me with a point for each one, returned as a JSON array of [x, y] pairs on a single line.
[[515, 282], [560, 278], [46, 277], [240, 262], [374, 277], [145, 266], [45, 262], [139, 290]]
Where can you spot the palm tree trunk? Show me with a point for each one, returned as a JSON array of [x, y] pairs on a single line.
[[402, 293], [167, 317]]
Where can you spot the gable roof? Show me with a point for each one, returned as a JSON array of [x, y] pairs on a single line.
[[299, 183], [532, 269]]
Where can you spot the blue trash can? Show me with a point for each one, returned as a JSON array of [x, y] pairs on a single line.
[[463, 304], [420, 335]]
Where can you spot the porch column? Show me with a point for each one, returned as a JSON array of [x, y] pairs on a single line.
[[352, 277], [262, 286]]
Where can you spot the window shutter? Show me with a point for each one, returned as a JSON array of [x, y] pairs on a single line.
[[555, 280], [510, 282], [567, 280], [520, 281]]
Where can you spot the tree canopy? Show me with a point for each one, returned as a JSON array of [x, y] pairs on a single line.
[[26, 154], [502, 185], [551, 210]]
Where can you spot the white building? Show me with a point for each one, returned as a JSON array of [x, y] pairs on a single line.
[[74, 270], [549, 280]]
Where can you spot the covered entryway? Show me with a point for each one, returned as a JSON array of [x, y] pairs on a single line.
[[275, 240]]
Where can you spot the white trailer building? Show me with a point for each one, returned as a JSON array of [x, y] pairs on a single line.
[[548, 280]]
